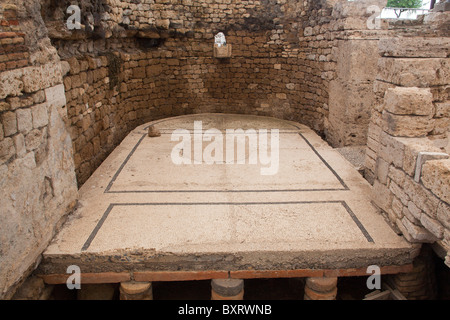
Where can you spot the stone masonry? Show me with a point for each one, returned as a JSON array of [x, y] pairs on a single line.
[[290, 60], [408, 143], [69, 97], [37, 176]]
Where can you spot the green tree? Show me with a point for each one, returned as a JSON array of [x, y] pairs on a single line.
[[403, 5]]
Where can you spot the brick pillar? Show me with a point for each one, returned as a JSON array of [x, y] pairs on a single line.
[[420, 283], [227, 289], [322, 288], [136, 291]]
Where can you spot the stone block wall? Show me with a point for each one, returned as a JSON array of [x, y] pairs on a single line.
[[37, 177], [408, 143]]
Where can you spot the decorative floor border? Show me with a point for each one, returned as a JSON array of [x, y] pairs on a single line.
[[124, 163], [113, 205]]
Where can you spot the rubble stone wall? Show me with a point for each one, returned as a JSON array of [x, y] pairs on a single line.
[[37, 176]]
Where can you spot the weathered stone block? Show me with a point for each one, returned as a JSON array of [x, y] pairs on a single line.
[[40, 115], [443, 214], [412, 148], [139, 73], [407, 213], [343, 9], [409, 101], [407, 126], [11, 83], [65, 68], [37, 78], [414, 72], [442, 109], [421, 197], [391, 149], [162, 24], [56, 96], [398, 192], [24, 120], [154, 70], [74, 65], [397, 208], [416, 212], [34, 139], [4, 106], [441, 126], [322, 284], [9, 122], [442, 7], [382, 169], [423, 157], [414, 47], [432, 226], [6, 150], [415, 233], [223, 51], [19, 143], [436, 177], [396, 175], [382, 196]]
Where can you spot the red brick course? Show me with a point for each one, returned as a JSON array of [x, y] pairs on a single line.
[[150, 276]]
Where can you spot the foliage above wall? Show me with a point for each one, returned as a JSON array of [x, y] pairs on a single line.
[[406, 4]]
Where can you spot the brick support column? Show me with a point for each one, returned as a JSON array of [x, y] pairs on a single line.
[[136, 291], [227, 289], [321, 288], [420, 283]]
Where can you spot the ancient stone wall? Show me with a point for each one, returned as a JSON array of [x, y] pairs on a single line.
[[408, 143], [37, 176], [290, 60], [68, 97], [166, 67], [355, 51]]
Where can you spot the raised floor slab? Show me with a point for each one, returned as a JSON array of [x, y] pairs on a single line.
[[140, 212]]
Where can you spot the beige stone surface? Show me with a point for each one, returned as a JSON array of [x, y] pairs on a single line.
[[436, 177], [417, 47], [407, 126], [414, 72], [409, 101], [155, 214]]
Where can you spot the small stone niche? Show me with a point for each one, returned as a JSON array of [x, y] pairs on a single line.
[[221, 48], [222, 51]]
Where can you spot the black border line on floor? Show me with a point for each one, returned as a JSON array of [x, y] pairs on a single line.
[[112, 205], [113, 179]]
